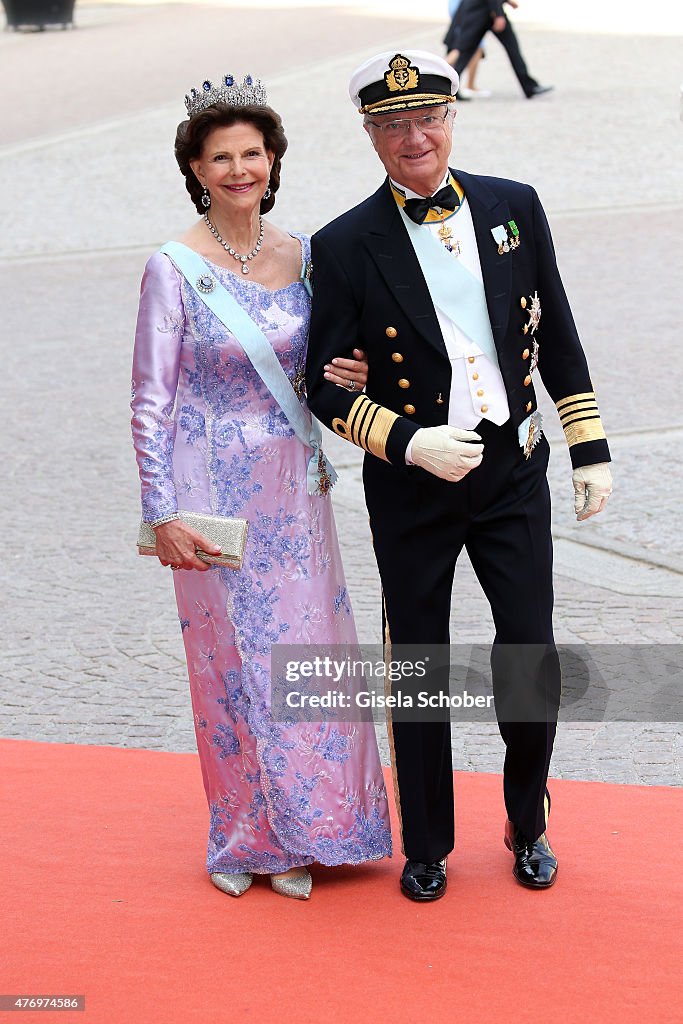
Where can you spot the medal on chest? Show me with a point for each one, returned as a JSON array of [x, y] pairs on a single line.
[[448, 239]]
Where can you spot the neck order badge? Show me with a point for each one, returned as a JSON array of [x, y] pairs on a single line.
[[439, 208]]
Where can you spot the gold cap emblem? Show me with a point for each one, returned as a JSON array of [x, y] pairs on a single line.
[[402, 75]]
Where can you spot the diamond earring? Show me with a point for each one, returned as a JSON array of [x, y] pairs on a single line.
[[206, 199], [267, 194]]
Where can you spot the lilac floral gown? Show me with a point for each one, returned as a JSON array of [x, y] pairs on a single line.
[[210, 437]]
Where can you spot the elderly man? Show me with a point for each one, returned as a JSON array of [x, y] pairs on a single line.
[[440, 277]]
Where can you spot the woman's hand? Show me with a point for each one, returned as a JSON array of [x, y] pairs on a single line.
[[177, 543], [351, 374]]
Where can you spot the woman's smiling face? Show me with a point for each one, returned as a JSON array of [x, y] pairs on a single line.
[[235, 167]]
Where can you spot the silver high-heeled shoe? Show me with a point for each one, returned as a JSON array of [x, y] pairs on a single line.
[[298, 887], [234, 885]]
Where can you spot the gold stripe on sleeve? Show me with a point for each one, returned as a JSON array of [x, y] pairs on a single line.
[[367, 426], [571, 399], [345, 427], [360, 423], [378, 433], [580, 418], [587, 429]]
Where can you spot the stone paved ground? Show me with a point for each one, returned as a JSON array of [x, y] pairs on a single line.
[[92, 650]]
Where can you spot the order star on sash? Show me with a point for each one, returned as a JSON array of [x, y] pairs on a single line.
[[535, 433]]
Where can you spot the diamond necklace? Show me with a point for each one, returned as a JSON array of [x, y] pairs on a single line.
[[243, 259]]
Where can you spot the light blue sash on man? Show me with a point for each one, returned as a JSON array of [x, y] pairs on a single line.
[[454, 290], [320, 474], [459, 295]]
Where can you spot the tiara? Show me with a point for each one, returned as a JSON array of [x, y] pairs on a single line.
[[249, 94]]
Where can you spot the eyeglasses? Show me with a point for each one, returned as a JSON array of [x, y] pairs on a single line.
[[427, 123]]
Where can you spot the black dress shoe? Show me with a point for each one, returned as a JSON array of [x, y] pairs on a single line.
[[535, 863], [539, 90], [421, 881]]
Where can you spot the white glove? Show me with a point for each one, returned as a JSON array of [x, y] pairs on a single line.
[[592, 488], [447, 452]]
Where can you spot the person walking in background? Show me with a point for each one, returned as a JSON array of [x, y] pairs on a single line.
[[472, 21], [469, 91], [440, 276], [211, 436]]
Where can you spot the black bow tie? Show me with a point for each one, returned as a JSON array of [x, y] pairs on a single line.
[[447, 198]]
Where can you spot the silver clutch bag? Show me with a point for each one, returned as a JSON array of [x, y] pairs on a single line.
[[230, 535]]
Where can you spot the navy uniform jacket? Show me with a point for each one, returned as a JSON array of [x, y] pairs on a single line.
[[369, 292]]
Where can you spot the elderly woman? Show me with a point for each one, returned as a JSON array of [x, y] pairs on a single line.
[[211, 437]]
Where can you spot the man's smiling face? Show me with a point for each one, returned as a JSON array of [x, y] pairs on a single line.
[[414, 154]]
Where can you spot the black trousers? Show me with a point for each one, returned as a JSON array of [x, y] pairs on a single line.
[[472, 21], [500, 512]]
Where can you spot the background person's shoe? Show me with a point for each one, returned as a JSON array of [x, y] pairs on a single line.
[[234, 885], [420, 881], [535, 863], [474, 94], [539, 90]]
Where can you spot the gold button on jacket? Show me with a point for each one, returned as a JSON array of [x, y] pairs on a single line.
[[391, 332], [403, 383], [409, 410], [397, 357]]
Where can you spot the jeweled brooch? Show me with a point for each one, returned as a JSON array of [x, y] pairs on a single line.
[[206, 283]]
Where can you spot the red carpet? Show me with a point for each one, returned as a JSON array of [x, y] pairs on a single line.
[[103, 893]]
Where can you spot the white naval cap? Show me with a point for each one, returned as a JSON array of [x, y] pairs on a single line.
[[401, 81]]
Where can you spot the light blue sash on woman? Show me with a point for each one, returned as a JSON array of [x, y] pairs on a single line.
[[320, 475]]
